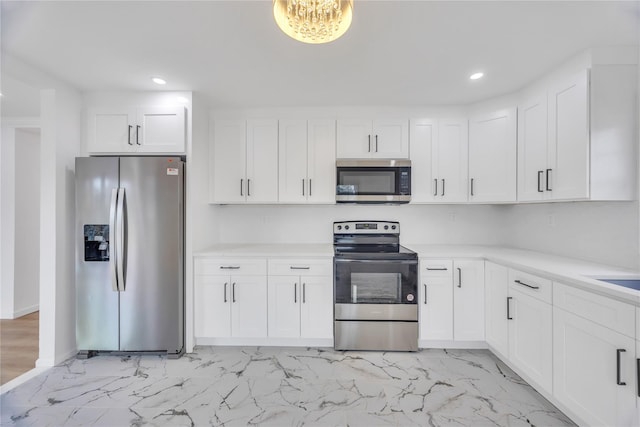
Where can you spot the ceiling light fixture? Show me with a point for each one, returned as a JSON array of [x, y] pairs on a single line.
[[159, 81], [476, 76], [313, 21]]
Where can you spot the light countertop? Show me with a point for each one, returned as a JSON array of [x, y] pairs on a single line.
[[565, 270]]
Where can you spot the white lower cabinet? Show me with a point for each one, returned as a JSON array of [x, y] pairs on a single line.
[[451, 300], [496, 285]]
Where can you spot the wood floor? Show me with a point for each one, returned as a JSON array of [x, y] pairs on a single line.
[[18, 346]]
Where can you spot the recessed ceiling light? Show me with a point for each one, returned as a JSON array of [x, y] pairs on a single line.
[[158, 81], [476, 76]]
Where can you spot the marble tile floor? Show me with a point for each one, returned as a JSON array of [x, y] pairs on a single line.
[[269, 386]]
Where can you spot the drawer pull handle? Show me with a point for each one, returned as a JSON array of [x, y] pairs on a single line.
[[508, 310], [618, 352], [459, 277], [225, 291], [425, 293], [229, 267], [524, 284], [304, 293], [233, 292], [437, 268], [299, 268], [295, 293]]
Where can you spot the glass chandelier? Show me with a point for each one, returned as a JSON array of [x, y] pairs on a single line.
[[313, 21]]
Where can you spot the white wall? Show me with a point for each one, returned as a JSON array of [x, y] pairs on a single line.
[[27, 221], [428, 224], [7, 222]]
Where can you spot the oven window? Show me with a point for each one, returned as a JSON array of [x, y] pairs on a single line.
[[366, 181], [368, 288]]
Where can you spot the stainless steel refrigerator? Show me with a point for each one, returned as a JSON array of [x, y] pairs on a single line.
[[130, 254]]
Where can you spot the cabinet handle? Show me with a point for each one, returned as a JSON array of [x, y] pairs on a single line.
[[472, 186], [443, 187], [138, 134], [459, 277], [548, 180], [241, 186], [369, 149], [309, 186], [540, 190], [299, 268], [249, 187], [233, 292], [129, 136], [304, 293], [437, 268], [425, 293], [229, 267], [295, 293], [303, 186], [376, 143], [508, 309], [524, 284], [435, 182], [638, 374], [225, 291], [618, 352]]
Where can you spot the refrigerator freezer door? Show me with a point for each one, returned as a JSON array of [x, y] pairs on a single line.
[[151, 303], [96, 301]]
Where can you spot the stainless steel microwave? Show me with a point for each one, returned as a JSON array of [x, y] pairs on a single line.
[[373, 181]]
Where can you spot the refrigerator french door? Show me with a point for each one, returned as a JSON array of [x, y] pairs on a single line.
[[130, 256]]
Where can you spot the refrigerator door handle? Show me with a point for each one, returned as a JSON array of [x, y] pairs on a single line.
[[121, 238], [113, 256]]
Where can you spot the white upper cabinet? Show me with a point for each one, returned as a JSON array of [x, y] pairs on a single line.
[[576, 137], [244, 158], [307, 161], [364, 138], [128, 130], [438, 160], [493, 157]]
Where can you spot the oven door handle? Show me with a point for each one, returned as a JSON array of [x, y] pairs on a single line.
[[377, 261]]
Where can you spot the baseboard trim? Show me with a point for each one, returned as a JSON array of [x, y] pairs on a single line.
[[25, 311], [267, 342], [22, 379], [425, 344]]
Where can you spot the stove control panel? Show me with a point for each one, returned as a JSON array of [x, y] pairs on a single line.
[[366, 227]]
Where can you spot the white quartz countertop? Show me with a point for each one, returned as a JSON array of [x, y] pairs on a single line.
[[299, 250], [560, 269], [565, 270]]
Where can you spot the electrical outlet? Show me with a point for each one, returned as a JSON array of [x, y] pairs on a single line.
[[551, 220]]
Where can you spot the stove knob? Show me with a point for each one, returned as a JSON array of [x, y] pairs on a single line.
[[339, 227], [393, 227], [346, 227], [386, 227]]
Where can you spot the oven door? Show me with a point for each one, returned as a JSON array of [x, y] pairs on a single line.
[[375, 281]]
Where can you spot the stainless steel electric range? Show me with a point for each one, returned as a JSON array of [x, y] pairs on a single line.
[[375, 288]]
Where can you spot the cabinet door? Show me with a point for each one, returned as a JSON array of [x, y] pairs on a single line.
[[496, 281], [530, 337], [212, 310], [492, 157], [321, 161], [292, 153], [452, 161], [316, 309], [568, 153], [161, 129], [111, 130], [436, 300], [262, 161], [390, 139], [585, 368], [532, 148], [468, 300], [354, 139], [284, 306], [424, 137], [228, 157], [248, 306]]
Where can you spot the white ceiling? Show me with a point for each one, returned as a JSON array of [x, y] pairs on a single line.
[[398, 52]]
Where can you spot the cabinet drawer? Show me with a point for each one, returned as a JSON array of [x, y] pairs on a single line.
[[301, 267], [607, 312], [436, 267], [529, 284], [244, 266]]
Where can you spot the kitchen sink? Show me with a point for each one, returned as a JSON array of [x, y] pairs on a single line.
[[627, 282]]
